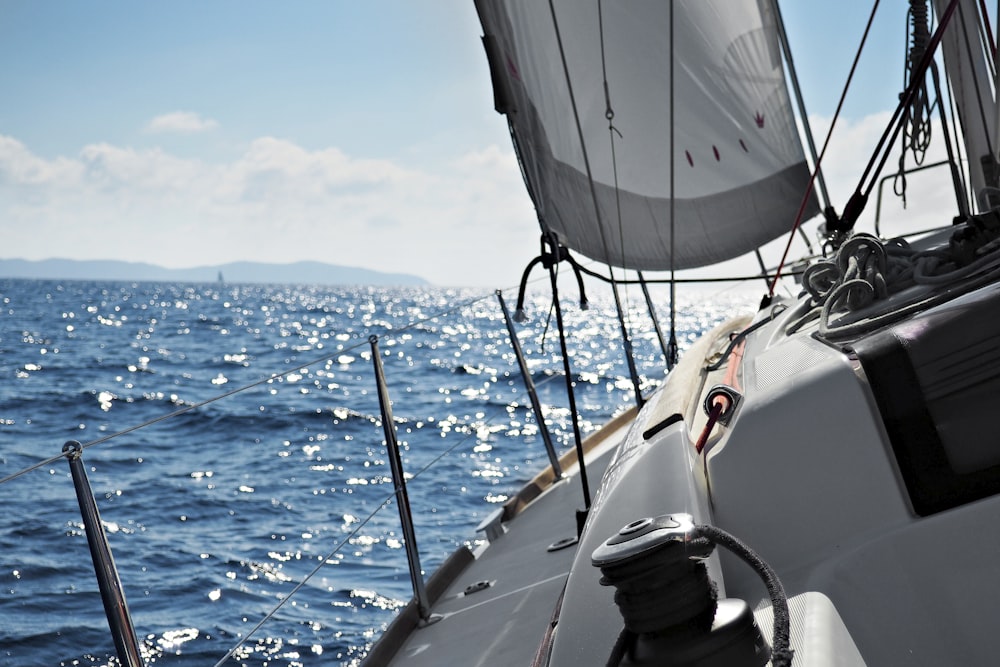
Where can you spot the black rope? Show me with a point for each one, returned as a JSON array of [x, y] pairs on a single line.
[[916, 118], [738, 338], [870, 176], [669, 281], [571, 394], [666, 590], [781, 651]]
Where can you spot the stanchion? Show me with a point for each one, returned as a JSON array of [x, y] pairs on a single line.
[[529, 384], [399, 482], [115, 607]]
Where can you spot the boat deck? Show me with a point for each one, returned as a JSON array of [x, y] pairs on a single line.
[[504, 623]]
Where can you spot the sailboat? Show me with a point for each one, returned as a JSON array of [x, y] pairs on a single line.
[[814, 483]]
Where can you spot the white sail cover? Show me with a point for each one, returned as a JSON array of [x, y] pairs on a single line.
[[740, 173]]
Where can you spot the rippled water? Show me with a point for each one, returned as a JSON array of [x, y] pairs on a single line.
[[216, 514]]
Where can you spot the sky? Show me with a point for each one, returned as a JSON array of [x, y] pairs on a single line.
[[191, 133]]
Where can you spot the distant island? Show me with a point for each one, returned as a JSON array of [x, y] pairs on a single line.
[[311, 273]]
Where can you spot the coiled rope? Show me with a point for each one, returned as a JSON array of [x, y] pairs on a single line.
[[917, 123], [866, 270]]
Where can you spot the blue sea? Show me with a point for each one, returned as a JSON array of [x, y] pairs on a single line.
[[234, 445]]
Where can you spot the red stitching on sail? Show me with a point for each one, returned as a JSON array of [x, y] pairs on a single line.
[[513, 69]]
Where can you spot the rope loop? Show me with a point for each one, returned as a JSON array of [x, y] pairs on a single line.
[[867, 270]]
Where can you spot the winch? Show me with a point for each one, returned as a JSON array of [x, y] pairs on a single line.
[[669, 603]]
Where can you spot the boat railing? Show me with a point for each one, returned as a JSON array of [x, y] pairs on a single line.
[[130, 650], [895, 177]]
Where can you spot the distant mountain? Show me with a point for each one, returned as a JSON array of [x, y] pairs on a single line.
[[236, 272]]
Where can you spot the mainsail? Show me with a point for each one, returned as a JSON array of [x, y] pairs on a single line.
[[586, 87]]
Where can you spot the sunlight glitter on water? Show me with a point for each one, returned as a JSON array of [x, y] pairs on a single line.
[[268, 483]]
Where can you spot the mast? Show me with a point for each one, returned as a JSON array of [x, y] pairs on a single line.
[[967, 64]]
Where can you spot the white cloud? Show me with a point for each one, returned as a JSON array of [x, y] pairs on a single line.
[[20, 166], [930, 195], [181, 122], [464, 223]]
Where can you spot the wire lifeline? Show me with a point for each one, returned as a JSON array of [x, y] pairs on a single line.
[[382, 505], [195, 406], [274, 376], [315, 570], [340, 545]]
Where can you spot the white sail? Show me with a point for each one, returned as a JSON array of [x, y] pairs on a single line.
[[739, 169]]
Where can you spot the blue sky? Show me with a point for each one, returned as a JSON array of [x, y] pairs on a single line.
[[359, 133]]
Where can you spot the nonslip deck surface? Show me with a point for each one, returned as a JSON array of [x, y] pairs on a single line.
[[504, 623]]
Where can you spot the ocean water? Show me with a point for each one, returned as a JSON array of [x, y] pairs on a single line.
[[259, 460]]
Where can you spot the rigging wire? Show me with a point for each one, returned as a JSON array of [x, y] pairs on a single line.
[[609, 114], [985, 26], [340, 545], [967, 45], [672, 349], [803, 115], [856, 204], [833, 123], [579, 127], [554, 241]]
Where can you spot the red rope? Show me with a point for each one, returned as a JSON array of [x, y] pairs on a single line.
[[717, 409]]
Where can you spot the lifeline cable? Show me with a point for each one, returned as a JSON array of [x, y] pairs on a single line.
[[385, 502], [270, 378]]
